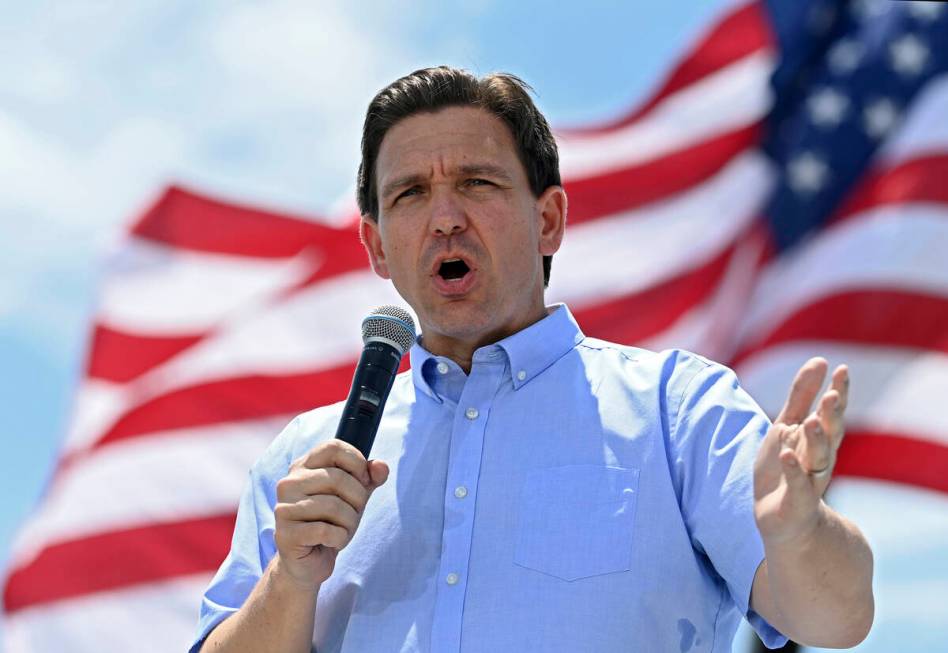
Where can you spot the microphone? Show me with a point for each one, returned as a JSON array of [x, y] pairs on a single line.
[[387, 332]]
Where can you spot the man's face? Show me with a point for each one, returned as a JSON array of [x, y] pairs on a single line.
[[459, 231]]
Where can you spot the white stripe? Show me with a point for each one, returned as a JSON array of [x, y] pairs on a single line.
[[632, 251], [98, 404], [733, 97], [316, 328], [893, 389], [153, 618], [156, 289], [185, 474], [898, 247], [924, 130]]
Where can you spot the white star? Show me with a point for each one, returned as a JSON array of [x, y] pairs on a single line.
[[879, 116], [845, 56], [827, 107], [807, 173], [908, 54], [927, 11]]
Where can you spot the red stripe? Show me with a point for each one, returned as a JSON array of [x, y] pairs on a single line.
[[877, 317], [189, 221], [917, 180], [634, 186], [120, 357], [894, 457], [119, 559], [740, 33], [233, 399]]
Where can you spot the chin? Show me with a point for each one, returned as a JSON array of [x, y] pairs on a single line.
[[459, 321]]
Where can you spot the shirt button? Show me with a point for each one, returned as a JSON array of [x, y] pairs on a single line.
[[442, 368], [521, 375], [471, 413], [451, 579], [460, 492]]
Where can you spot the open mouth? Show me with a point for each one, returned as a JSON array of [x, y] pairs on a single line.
[[453, 269]]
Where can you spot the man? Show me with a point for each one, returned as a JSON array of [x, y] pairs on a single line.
[[548, 491]]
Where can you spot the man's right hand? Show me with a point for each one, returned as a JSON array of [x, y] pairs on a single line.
[[319, 505]]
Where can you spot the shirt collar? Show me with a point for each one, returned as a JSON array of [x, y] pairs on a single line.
[[541, 344], [530, 351]]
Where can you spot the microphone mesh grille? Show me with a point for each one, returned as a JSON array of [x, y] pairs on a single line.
[[392, 323]]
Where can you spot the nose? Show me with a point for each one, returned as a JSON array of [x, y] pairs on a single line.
[[447, 214]]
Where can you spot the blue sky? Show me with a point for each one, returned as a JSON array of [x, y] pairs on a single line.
[[104, 102]]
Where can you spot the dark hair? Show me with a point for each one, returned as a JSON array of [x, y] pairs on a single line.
[[429, 89]]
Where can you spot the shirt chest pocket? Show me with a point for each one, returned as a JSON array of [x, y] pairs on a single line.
[[576, 521]]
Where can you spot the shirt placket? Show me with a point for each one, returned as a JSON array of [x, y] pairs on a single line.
[[467, 438]]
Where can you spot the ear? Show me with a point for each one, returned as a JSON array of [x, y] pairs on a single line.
[[372, 241], [551, 210]]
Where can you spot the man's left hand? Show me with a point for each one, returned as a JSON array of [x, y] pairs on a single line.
[[797, 456]]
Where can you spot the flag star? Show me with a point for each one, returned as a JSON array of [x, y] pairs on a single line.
[[927, 11], [807, 173], [908, 54], [879, 116], [827, 107], [845, 56]]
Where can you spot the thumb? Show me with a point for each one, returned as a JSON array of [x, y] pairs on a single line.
[[378, 473]]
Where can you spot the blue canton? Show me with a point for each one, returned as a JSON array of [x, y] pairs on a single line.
[[847, 73]]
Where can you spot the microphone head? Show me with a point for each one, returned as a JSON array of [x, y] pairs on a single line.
[[391, 324]]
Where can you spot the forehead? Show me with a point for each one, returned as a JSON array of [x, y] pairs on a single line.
[[428, 142]]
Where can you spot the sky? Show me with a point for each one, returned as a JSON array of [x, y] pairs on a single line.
[[104, 103]]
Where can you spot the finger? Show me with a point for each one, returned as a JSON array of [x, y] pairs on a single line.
[[309, 534], [797, 479], [336, 453], [831, 417], [818, 450], [323, 507], [327, 480], [841, 385], [806, 384], [378, 471]]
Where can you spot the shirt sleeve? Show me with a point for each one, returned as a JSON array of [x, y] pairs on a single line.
[[252, 546], [715, 435]]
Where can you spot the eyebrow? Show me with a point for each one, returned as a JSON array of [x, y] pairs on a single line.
[[400, 182], [471, 169], [487, 169]]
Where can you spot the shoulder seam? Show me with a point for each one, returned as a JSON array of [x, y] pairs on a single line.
[[621, 350], [681, 397]]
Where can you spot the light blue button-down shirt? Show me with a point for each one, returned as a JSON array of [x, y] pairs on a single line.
[[568, 494]]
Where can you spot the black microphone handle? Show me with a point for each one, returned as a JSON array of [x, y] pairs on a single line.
[[371, 384]]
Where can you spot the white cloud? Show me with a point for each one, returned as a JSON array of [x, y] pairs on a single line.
[[296, 53], [98, 188]]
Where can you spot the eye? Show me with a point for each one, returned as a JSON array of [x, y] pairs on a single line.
[[414, 190], [479, 182]]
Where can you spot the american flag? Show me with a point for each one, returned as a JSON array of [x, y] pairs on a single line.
[[782, 194]]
